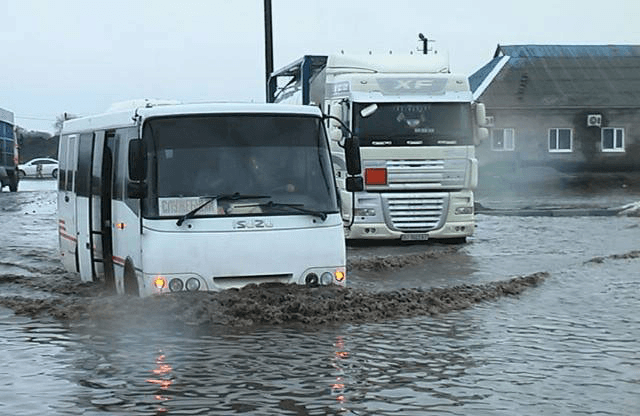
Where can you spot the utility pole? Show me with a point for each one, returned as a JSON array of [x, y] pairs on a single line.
[[268, 46]]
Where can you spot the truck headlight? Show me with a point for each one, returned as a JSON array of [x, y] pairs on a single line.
[[464, 210], [364, 212]]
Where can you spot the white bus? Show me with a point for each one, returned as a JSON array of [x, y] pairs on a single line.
[[169, 198]]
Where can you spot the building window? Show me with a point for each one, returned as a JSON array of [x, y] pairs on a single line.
[[503, 140], [612, 139], [560, 140]]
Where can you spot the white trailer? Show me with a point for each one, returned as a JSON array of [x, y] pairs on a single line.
[[417, 127], [165, 198]]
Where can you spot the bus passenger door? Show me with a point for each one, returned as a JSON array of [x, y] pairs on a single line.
[[125, 211], [100, 207], [83, 207], [67, 202]]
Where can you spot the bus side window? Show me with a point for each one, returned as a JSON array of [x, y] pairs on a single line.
[[62, 160], [114, 139], [71, 162], [83, 175]]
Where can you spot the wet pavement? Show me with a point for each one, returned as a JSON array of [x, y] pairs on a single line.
[[534, 315]]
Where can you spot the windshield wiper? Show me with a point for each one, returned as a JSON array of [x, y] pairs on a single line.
[[222, 197], [295, 207]]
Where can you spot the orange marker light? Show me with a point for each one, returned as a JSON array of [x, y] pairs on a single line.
[[375, 176], [121, 226], [339, 275], [160, 282]]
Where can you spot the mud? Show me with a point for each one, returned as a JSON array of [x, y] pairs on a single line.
[[626, 256], [263, 305], [396, 261]]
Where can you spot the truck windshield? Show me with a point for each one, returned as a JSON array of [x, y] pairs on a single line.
[[414, 124], [190, 159]]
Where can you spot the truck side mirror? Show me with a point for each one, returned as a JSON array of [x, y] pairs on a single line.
[[335, 128], [335, 134], [482, 133], [481, 114]]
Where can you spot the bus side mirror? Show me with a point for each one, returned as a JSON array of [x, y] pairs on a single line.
[[352, 156], [136, 187], [355, 184], [137, 162]]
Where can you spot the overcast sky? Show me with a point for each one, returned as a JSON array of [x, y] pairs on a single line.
[[81, 56]]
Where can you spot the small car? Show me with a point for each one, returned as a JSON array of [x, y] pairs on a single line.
[[41, 167]]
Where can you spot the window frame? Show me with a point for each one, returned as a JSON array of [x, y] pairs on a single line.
[[614, 149], [504, 147], [557, 131]]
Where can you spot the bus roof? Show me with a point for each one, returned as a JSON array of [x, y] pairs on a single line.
[[127, 118]]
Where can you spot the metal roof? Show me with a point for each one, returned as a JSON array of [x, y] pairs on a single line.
[[551, 76]]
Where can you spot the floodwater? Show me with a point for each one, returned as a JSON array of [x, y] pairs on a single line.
[[567, 345]]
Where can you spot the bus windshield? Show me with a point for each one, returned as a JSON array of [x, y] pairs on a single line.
[[254, 158], [414, 124]]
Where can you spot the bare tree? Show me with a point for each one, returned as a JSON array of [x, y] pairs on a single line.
[[61, 119]]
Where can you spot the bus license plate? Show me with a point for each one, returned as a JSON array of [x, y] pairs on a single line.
[[414, 237]]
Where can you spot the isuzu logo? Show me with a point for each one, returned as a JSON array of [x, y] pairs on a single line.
[[252, 224]]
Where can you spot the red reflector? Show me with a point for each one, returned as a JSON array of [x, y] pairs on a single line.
[[375, 176]]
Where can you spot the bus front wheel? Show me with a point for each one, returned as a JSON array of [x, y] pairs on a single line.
[[130, 280]]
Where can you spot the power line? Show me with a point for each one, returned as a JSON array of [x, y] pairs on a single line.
[[34, 118]]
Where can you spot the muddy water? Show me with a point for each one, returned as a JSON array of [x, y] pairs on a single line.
[[535, 315]]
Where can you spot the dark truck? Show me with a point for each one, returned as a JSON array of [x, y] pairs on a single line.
[[8, 152]]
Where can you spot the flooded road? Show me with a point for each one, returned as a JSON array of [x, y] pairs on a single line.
[[567, 344]]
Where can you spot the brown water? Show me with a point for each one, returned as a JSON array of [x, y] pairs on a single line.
[[566, 345]]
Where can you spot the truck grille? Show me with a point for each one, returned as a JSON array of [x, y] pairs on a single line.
[[426, 174], [415, 212]]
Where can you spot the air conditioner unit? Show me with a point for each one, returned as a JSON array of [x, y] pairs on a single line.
[[594, 120], [489, 121]]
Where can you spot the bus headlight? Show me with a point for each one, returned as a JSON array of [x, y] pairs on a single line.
[[176, 285], [193, 284], [340, 275], [326, 278]]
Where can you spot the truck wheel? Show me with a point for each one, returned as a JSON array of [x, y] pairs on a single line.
[[130, 280]]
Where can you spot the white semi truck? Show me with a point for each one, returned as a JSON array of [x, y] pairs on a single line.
[[417, 127]]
